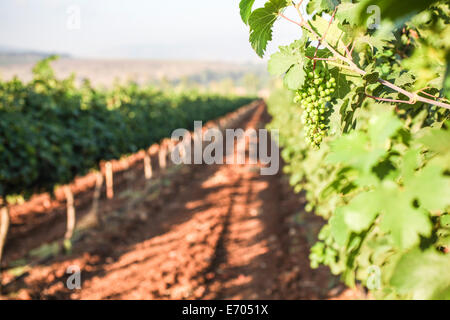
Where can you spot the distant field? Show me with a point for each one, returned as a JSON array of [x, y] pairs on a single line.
[[104, 72]]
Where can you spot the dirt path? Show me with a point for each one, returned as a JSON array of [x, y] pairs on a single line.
[[203, 232]]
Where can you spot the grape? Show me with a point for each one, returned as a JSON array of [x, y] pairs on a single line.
[[315, 98]]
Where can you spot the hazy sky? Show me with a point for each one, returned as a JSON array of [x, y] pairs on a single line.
[[165, 29]]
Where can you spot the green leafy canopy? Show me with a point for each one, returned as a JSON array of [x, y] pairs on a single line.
[[380, 175]]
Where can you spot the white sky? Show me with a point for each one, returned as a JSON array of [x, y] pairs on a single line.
[[165, 29]]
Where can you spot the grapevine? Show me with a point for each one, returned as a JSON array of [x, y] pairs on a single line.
[[376, 166]]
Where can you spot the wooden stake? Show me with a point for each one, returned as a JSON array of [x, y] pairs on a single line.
[[4, 226], [109, 180], [148, 166], [162, 157], [97, 193], [70, 213]]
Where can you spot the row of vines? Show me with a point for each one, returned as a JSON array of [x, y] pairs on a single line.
[[364, 125], [52, 131]]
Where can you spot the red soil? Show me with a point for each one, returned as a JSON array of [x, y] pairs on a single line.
[[198, 232]]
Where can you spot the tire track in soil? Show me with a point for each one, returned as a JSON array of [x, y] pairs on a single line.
[[217, 232]]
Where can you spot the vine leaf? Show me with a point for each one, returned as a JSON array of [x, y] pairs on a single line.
[[339, 228], [295, 77], [289, 61], [355, 151], [425, 273], [446, 84], [404, 79], [281, 61], [348, 12], [371, 77], [400, 219], [246, 9], [438, 141], [322, 5], [411, 161], [430, 187], [382, 127], [342, 83], [261, 23], [362, 150], [333, 34], [362, 210]]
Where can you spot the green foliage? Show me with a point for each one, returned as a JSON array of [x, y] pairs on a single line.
[[261, 23], [322, 5], [424, 273], [246, 9], [381, 177], [52, 131], [289, 62]]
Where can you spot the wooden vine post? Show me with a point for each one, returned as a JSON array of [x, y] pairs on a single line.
[[109, 180], [96, 197], [71, 218], [4, 226], [148, 172], [162, 155]]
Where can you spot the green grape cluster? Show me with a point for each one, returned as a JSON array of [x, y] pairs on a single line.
[[315, 98]]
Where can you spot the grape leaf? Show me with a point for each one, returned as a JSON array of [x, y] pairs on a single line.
[[362, 210], [342, 83], [446, 85], [424, 273], [281, 61], [333, 34], [438, 141], [410, 164], [404, 79], [321, 53], [289, 61], [354, 150], [382, 127], [445, 221], [295, 77], [431, 188], [348, 12], [372, 41], [246, 9], [401, 220], [261, 23], [322, 5], [339, 229], [371, 77]]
